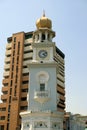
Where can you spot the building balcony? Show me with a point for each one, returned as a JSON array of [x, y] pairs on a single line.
[[61, 77], [6, 73], [4, 96], [61, 105], [23, 94], [4, 89], [27, 48], [23, 103], [8, 52], [7, 59], [5, 81], [7, 66], [60, 83], [42, 96], [25, 70], [28, 41], [3, 113], [8, 46], [3, 105], [61, 89], [24, 86], [25, 78], [62, 97], [26, 62], [28, 55]]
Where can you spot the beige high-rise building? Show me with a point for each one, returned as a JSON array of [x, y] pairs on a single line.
[[19, 53]]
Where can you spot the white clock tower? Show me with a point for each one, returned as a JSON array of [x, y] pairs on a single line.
[[42, 113]]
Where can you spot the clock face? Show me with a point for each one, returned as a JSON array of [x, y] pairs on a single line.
[[42, 53]]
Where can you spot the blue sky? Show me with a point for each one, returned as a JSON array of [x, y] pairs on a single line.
[[69, 20]]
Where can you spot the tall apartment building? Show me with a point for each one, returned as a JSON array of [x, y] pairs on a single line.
[[20, 50]]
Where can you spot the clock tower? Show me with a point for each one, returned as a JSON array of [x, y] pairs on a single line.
[[42, 97]]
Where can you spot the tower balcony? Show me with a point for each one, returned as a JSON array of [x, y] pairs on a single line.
[[42, 96]]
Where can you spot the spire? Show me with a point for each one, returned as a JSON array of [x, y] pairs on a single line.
[[43, 13]]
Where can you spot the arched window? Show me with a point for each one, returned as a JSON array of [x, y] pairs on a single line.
[[42, 79], [43, 37]]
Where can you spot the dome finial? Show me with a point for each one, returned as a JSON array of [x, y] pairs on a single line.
[[43, 13], [43, 22]]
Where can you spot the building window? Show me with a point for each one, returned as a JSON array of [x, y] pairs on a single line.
[[5, 84], [42, 87], [26, 59], [15, 90], [13, 61], [14, 39], [24, 99], [10, 99], [27, 44], [24, 90], [11, 83], [16, 69], [2, 118], [17, 59], [3, 109], [18, 44], [28, 51], [26, 74], [9, 107], [27, 36], [14, 46], [8, 55], [16, 79], [5, 92], [13, 53], [10, 91], [1, 127], [8, 116], [11, 75], [8, 126], [23, 108], [18, 48], [25, 82], [25, 66], [42, 79], [12, 67], [4, 100]]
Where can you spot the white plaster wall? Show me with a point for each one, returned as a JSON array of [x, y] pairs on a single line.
[[51, 85]]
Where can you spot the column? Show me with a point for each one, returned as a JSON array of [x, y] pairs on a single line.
[[46, 36], [36, 38], [50, 37], [40, 36]]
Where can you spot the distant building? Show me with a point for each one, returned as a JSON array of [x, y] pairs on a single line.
[[75, 122], [33, 81]]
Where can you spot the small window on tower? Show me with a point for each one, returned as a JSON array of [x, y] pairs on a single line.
[[42, 87]]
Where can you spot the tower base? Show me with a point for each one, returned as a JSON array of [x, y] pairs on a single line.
[[42, 120]]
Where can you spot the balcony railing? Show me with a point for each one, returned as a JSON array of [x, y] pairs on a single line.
[[42, 96]]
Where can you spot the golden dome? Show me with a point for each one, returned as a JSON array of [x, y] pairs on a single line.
[[43, 22]]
